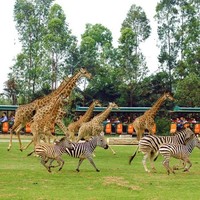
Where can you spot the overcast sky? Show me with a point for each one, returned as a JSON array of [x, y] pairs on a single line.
[[109, 13]]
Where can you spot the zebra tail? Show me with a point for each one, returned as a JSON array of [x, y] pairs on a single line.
[[131, 158], [31, 153]]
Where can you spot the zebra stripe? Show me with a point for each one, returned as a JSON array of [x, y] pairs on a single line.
[[149, 145], [52, 152], [85, 150], [178, 151]]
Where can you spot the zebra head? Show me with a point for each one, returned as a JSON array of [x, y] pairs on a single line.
[[65, 143], [101, 142], [188, 133]]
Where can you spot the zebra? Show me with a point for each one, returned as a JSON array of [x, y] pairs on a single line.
[[52, 152], [84, 150], [178, 151], [149, 145]]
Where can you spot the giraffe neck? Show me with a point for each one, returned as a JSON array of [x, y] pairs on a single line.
[[53, 109], [154, 109], [88, 114], [65, 90], [70, 85], [102, 116]]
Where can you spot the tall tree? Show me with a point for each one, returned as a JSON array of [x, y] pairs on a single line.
[[188, 35], [178, 30], [59, 43], [168, 21], [31, 18], [135, 30]]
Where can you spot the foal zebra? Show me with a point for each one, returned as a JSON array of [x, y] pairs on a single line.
[[149, 145], [85, 150], [178, 151], [52, 152]]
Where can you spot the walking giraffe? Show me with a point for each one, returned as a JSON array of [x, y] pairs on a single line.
[[74, 126], [25, 113], [94, 126], [146, 121], [42, 121]]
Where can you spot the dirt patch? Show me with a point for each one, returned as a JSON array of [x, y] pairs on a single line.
[[120, 181]]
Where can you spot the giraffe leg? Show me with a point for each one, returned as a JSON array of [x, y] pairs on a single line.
[[24, 148], [17, 129]]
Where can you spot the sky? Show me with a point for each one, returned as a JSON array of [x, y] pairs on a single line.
[[109, 13]]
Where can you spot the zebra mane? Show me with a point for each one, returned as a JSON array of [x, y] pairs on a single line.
[[180, 131], [61, 140]]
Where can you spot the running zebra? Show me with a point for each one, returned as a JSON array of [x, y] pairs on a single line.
[[178, 151], [84, 150], [149, 145], [52, 152]]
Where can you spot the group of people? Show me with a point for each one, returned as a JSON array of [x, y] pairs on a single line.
[[182, 121], [5, 118]]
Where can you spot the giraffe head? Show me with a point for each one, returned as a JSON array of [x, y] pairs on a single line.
[[97, 103], [85, 73], [113, 105], [167, 95]]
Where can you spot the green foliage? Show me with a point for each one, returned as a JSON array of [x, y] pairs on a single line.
[[50, 52], [162, 125], [188, 90]]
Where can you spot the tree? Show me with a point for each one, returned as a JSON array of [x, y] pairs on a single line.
[[178, 30], [59, 43], [96, 47], [31, 19], [188, 90], [188, 34], [135, 30]]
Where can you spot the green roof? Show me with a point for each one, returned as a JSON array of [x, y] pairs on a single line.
[[8, 107], [186, 109], [121, 109]]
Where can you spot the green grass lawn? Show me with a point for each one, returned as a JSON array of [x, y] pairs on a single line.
[[23, 177]]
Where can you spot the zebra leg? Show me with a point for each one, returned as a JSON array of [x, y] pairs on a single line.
[[181, 165], [92, 162], [186, 169], [61, 161], [79, 163], [144, 162], [152, 156], [43, 162], [166, 165]]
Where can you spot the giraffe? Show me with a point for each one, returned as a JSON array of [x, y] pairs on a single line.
[[74, 126], [24, 113], [94, 126], [42, 121], [146, 121]]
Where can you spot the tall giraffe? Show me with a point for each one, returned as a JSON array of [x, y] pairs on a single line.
[[94, 126], [43, 120], [25, 113], [74, 126], [146, 121]]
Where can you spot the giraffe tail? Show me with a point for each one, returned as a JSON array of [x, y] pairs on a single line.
[[131, 158]]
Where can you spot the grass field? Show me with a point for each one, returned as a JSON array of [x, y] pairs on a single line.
[[23, 177]]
